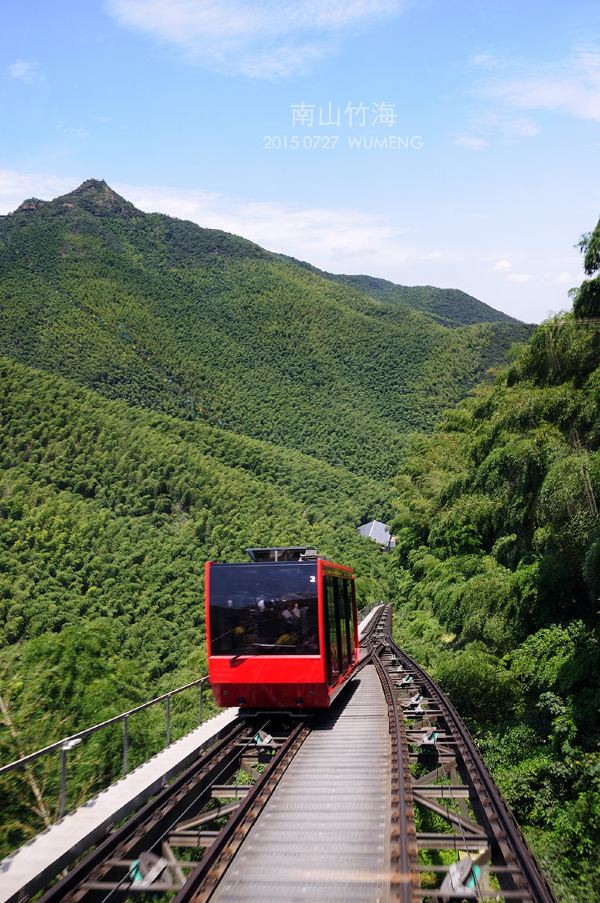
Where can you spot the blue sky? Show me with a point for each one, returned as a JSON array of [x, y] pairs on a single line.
[[466, 153]]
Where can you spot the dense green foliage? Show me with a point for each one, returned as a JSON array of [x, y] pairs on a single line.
[[498, 561], [448, 306], [587, 297], [204, 325], [108, 514]]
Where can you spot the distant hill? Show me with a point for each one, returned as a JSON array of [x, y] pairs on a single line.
[[448, 306], [205, 325]]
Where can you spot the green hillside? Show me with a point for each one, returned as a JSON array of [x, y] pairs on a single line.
[[448, 306], [205, 325], [108, 514], [498, 561]]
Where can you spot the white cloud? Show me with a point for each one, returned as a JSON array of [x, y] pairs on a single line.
[[320, 235], [268, 39], [519, 277], [522, 127], [439, 256], [74, 133], [565, 278], [471, 142], [571, 86], [23, 70], [484, 61], [490, 126], [16, 186], [503, 265]]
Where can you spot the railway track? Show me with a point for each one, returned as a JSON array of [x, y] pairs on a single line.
[[447, 806], [448, 837]]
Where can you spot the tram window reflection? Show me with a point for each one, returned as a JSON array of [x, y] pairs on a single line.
[[269, 610]]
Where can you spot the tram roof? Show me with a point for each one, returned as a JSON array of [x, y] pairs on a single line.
[[275, 554]]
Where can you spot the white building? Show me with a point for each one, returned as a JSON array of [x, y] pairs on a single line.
[[378, 532]]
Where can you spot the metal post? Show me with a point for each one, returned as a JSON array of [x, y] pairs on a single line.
[[201, 685], [168, 720], [125, 746], [63, 781], [62, 800]]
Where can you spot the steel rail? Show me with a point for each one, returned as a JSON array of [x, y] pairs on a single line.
[[366, 639], [404, 875], [209, 871]]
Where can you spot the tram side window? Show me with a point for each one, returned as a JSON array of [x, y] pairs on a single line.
[[339, 620], [333, 650], [354, 619], [338, 583], [348, 625]]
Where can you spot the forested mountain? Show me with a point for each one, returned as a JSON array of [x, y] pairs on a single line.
[[498, 561], [205, 325], [448, 306]]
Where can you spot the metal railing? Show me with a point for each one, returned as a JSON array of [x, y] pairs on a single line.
[[366, 611], [67, 743]]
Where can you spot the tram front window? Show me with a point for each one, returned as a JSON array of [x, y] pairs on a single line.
[[264, 609]]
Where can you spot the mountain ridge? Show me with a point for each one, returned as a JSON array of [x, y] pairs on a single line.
[[200, 323], [429, 299], [96, 194]]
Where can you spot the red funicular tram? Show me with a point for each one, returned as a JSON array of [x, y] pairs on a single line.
[[281, 631]]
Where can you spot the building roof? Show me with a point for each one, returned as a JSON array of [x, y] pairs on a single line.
[[378, 532]]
